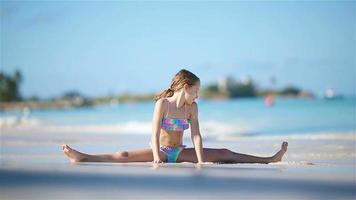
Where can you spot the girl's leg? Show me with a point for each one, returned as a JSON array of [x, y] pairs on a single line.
[[227, 156], [140, 155]]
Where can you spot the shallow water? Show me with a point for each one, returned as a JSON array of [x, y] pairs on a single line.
[[248, 117]]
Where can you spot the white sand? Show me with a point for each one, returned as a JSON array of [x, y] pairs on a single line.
[[318, 167]]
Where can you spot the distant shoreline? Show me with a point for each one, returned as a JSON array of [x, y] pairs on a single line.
[[78, 102]]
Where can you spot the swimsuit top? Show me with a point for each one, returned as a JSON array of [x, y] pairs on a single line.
[[175, 124]]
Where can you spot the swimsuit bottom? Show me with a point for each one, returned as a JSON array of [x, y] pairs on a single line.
[[172, 153]]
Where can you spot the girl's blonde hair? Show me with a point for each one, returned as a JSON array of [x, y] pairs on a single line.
[[182, 77]]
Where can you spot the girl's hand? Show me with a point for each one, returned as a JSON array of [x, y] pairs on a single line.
[[156, 164], [199, 165], [157, 161]]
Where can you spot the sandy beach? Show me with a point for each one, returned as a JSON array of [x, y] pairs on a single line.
[[111, 76], [175, 181], [33, 167]]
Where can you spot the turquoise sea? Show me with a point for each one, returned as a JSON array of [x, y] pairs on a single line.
[[248, 117]]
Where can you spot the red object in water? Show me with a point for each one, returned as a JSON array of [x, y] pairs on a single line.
[[269, 101]]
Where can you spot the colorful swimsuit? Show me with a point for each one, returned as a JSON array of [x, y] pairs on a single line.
[[174, 124]]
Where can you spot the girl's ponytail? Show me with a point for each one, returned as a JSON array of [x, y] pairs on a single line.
[[166, 93]]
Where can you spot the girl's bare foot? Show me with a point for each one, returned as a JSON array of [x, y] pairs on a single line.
[[278, 156], [73, 155]]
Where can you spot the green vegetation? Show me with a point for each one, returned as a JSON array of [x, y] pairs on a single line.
[[227, 88], [234, 89], [212, 91], [242, 90], [290, 90], [9, 86]]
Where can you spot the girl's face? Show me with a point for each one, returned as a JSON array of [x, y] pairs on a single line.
[[191, 93]]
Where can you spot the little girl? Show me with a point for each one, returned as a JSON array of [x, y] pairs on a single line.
[[174, 111]]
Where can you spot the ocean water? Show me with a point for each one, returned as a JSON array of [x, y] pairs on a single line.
[[247, 117]]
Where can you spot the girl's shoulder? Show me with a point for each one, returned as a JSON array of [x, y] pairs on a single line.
[[194, 108], [161, 101], [161, 104], [194, 105]]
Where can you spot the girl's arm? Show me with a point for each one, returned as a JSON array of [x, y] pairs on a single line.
[[156, 127], [195, 133]]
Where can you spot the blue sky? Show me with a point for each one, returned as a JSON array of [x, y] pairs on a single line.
[[99, 48]]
